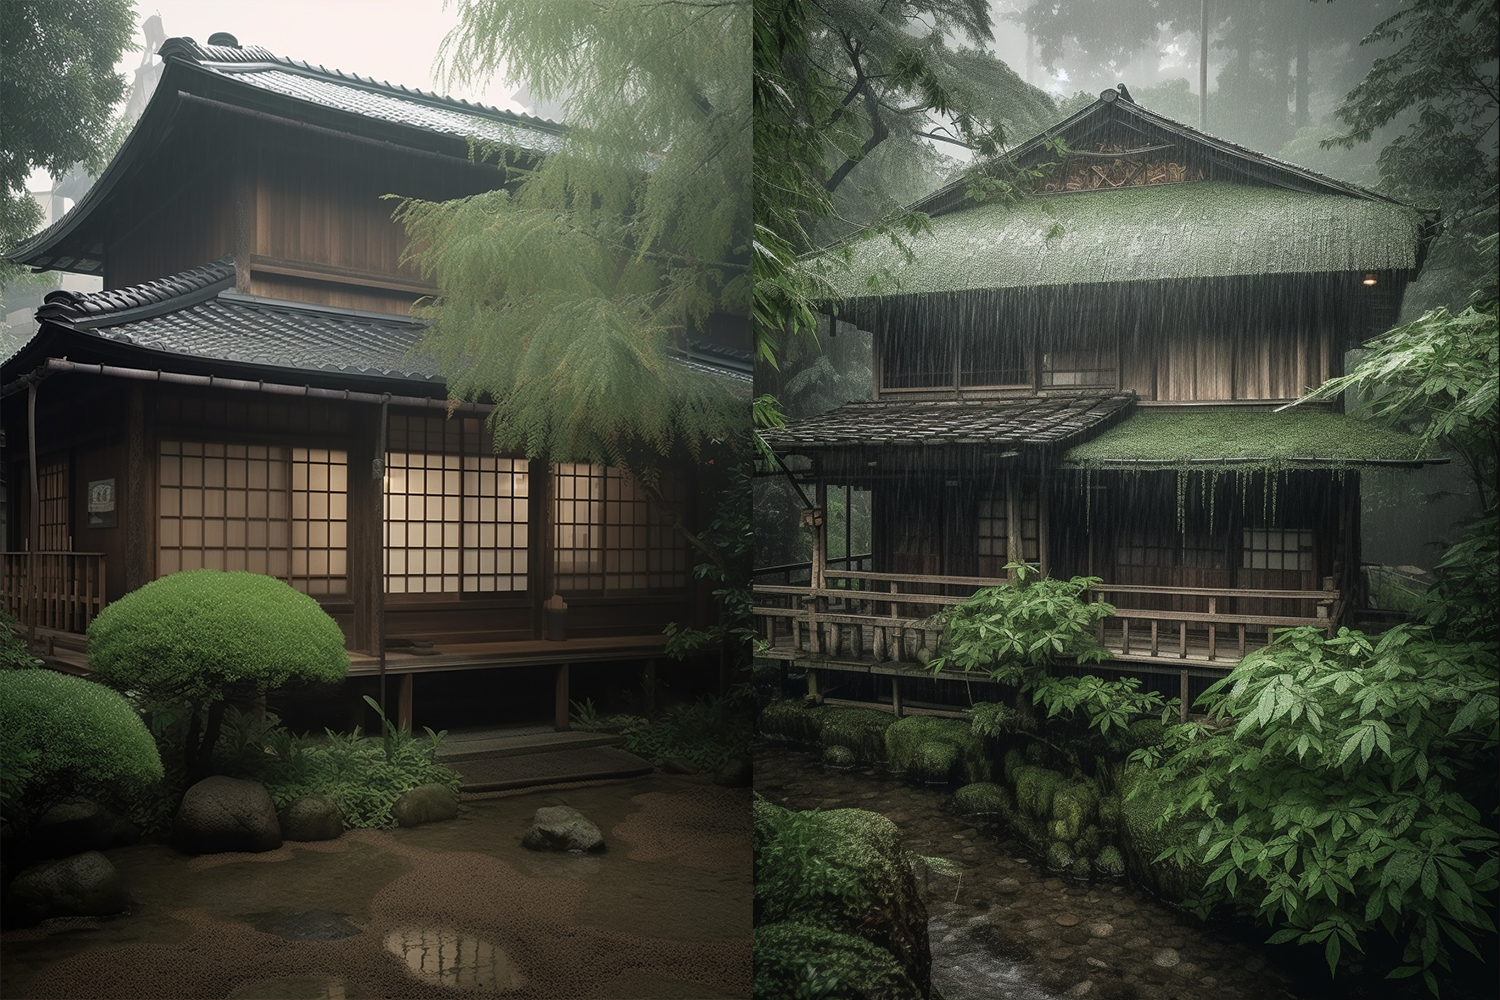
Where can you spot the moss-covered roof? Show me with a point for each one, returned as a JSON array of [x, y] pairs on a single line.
[[1194, 230], [1297, 438]]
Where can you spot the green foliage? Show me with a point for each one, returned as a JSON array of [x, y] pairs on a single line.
[[1036, 787], [363, 776], [796, 875], [795, 961], [58, 87], [725, 550], [14, 655], [862, 730], [1059, 857], [1109, 863], [62, 735], [1341, 803], [559, 298], [203, 636], [1014, 631], [706, 732], [1461, 604]]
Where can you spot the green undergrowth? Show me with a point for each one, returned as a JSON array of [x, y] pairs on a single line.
[[937, 750], [706, 733], [795, 961]]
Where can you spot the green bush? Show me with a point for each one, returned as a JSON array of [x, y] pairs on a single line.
[[792, 720], [1146, 838], [1060, 857], [13, 652], [934, 762], [62, 735], [204, 636], [1109, 863], [839, 756], [1035, 789], [191, 642], [796, 961], [1074, 807], [706, 732], [862, 730]]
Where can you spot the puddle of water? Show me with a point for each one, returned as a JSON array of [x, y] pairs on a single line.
[[451, 958]]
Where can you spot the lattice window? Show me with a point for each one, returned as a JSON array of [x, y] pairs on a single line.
[[917, 362], [1145, 548], [993, 359], [262, 508], [1274, 548], [52, 484], [994, 541], [610, 537], [456, 514]]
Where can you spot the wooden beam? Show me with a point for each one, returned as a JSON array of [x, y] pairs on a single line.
[[403, 703], [560, 699]]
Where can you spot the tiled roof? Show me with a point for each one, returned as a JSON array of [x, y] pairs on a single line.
[[376, 99], [1049, 420], [198, 314]]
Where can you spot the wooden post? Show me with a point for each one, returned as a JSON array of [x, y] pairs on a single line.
[[542, 545], [896, 695], [139, 507], [403, 703], [1013, 552], [1043, 521], [560, 702], [820, 536], [366, 528], [1183, 696]]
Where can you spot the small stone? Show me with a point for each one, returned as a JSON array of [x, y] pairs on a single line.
[[1096, 963], [1060, 954], [1053, 884], [1166, 957], [1083, 989], [1138, 942], [1008, 886], [84, 885], [1034, 924], [311, 817], [425, 804], [1208, 981], [562, 828], [1067, 919], [1101, 930]]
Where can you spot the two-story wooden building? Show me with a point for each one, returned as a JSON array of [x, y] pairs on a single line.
[[1095, 381], [247, 392]]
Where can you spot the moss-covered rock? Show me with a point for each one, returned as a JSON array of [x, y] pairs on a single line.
[[1059, 858], [1035, 789], [838, 756], [795, 960], [1143, 802], [845, 871], [1109, 816], [934, 762], [1081, 868], [792, 720], [1109, 863], [983, 798], [862, 730], [1074, 806], [1014, 761], [1089, 843], [905, 736]]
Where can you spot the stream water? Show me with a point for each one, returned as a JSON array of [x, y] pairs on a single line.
[[452, 909], [1007, 930]]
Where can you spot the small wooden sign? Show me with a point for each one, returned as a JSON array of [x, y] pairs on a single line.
[[101, 503]]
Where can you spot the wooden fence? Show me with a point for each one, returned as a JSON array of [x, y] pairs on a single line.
[[55, 590]]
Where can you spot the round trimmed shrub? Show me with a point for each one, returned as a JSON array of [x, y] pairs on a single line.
[[1059, 858], [204, 635], [792, 720], [63, 735], [1109, 863], [838, 756], [934, 762]]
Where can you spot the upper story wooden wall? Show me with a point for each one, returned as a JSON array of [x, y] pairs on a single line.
[[302, 213]]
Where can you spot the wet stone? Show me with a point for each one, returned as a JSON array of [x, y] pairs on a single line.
[[1052, 885], [1166, 957], [1067, 919], [1138, 942], [1101, 930], [1060, 954], [1008, 886], [314, 925], [1083, 989], [1096, 963], [1208, 981]]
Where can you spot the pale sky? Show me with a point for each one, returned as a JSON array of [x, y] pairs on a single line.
[[391, 40]]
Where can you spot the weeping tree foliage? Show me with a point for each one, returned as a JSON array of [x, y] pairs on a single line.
[[560, 296]]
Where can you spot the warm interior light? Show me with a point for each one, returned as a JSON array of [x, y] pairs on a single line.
[[1370, 279]]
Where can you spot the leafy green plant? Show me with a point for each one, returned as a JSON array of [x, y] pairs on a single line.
[[1342, 800], [14, 655], [706, 732], [63, 735], [199, 640]]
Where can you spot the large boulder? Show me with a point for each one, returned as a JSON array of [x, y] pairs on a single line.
[[78, 825], [425, 804], [562, 828], [1144, 836], [870, 891], [850, 966], [862, 730], [221, 814], [84, 885], [311, 817]]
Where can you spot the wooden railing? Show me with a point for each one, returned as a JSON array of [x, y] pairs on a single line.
[[792, 574], [867, 617], [55, 590]]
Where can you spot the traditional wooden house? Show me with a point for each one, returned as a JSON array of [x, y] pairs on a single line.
[[1095, 381], [246, 394]]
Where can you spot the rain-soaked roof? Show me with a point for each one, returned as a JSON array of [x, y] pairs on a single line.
[[1207, 229], [1053, 419], [1163, 438]]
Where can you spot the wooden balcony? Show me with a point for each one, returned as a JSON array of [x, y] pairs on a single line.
[[882, 623], [60, 591]]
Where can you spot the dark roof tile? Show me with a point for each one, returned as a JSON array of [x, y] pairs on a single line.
[[1038, 421]]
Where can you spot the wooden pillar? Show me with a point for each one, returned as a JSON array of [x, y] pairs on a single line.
[[403, 704], [1013, 550], [560, 701], [1043, 520], [896, 696], [366, 512], [138, 512], [820, 535], [542, 545]]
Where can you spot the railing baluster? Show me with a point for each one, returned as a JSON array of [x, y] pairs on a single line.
[[1182, 640], [1154, 650]]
